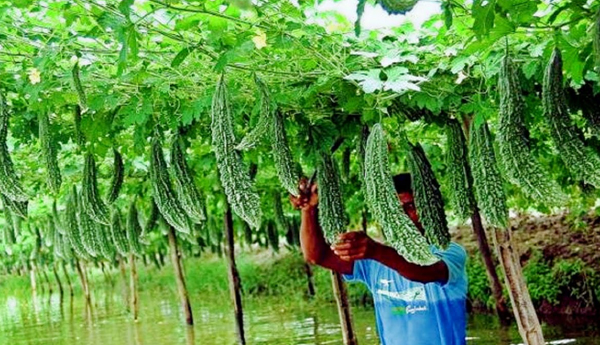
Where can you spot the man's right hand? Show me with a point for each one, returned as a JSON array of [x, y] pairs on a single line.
[[307, 198]]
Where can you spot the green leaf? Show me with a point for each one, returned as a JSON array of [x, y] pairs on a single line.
[[183, 53], [125, 7], [483, 12]]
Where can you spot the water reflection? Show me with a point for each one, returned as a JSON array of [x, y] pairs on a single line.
[[44, 319]]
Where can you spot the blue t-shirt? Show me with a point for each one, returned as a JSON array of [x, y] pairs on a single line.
[[414, 313]]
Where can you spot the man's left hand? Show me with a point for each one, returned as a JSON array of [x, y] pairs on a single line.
[[354, 245]]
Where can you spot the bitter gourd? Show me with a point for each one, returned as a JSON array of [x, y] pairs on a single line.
[[78, 86], [185, 188], [282, 155], [580, 160], [48, 147], [91, 202], [74, 234], [459, 171], [118, 235], [519, 165], [162, 190], [400, 232], [9, 181], [264, 118], [397, 6], [332, 214], [428, 198], [134, 230], [487, 182], [87, 228], [18, 208], [117, 179], [239, 189]]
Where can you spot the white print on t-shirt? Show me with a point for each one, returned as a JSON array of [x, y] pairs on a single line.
[[411, 295]]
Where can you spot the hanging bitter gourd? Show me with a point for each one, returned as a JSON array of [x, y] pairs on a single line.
[[239, 189], [117, 179], [118, 234], [264, 118], [519, 165], [580, 160], [87, 228], [79, 137], [91, 201], [73, 230], [48, 147], [428, 198], [18, 208], [134, 230], [400, 232], [332, 214], [162, 190], [397, 6], [487, 182], [78, 87], [459, 171], [105, 246], [185, 188], [9, 181], [152, 220], [282, 155]]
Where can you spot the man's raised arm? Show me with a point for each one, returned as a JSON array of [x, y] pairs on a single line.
[[315, 249]]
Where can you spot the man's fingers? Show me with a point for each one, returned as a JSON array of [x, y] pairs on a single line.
[[352, 235], [350, 252]]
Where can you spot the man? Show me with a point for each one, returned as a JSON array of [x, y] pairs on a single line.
[[414, 305]]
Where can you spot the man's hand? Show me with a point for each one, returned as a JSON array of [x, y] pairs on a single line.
[[307, 198], [354, 245]]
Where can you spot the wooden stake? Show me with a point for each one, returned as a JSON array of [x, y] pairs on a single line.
[[124, 285], [341, 297], [182, 289], [134, 291], [490, 268], [234, 277], [527, 320]]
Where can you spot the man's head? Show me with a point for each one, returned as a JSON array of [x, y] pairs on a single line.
[[403, 185]]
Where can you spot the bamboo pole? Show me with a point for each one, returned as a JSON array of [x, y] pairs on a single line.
[[133, 284], [341, 297], [234, 277], [523, 309], [124, 285], [490, 268], [58, 282], [68, 279], [182, 289], [84, 282]]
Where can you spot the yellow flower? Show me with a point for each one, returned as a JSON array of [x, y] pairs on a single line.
[[34, 76], [260, 40]]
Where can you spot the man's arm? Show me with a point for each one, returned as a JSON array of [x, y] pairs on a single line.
[[315, 249], [357, 245]]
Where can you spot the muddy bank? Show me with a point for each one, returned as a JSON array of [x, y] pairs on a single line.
[[560, 255]]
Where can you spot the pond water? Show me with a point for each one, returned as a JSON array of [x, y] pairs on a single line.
[[45, 320]]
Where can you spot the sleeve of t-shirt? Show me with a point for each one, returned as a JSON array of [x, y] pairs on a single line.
[[455, 258], [361, 272]]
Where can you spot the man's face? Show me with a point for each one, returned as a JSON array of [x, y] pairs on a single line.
[[408, 204]]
